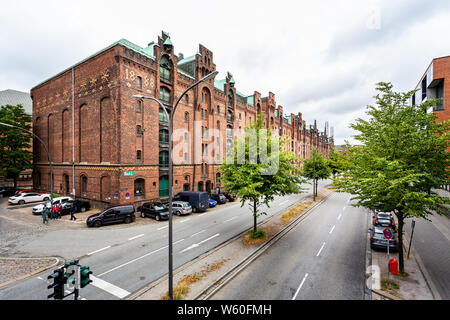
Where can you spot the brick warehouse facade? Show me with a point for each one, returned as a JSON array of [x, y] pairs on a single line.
[[112, 148]]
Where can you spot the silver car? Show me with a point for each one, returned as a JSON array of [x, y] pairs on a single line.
[[181, 208]]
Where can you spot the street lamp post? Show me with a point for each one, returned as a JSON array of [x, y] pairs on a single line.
[[46, 150], [170, 118]]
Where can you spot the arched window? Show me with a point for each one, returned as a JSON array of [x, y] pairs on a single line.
[[165, 69], [84, 185], [230, 98], [139, 82], [139, 187], [164, 159], [218, 109], [229, 116], [139, 156], [164, 136], [186, 98], [139, 106], [138, 131], [186, 117], [164, 95]]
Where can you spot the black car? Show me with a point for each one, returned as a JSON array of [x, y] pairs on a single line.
[[230, 196], [112, 215], [82, 206], [155, 210], [7, 191], [383, 219], [220, 198]]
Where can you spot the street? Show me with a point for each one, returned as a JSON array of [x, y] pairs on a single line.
[[322, 258]]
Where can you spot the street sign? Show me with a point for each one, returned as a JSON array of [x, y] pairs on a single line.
[[128, 173], [387, 233], [127, 196]]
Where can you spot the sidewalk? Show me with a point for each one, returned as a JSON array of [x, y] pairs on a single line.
[[200, 273]]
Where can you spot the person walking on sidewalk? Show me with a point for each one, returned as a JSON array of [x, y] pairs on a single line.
[[52, 212], [45, 213], [72, 212], [58, 211]]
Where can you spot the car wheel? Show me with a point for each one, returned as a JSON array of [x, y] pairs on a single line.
[[83, 209], [97, 224], [157, 217], [127, 220], [21, 202], [46, 199]]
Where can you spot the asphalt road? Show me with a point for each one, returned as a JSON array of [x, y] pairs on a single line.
[[323, 258], [431, 240], [125, 260]]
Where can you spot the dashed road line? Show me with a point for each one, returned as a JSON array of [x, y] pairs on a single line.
[[141, 235], [230, 219], [321, 248], [196, 234], [185, 220], [301, 285], [163, 228], [331, 231], [195, 245], [99, 250], [339, 217]]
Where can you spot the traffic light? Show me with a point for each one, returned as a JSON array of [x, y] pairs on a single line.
[[84, 276], [59, 280]]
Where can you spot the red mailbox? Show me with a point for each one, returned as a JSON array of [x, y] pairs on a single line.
[[393, 266]]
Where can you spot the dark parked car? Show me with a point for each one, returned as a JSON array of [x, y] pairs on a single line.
[[383, 219], [112, 215], [198, 200], [155, 210], [81, 205], [220, 198], [7, 191], [230, 196], [378, 241]]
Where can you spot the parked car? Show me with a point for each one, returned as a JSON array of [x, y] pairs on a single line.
[[212, 203], [113, 215], [383, 219], [230, 196], [155, 210], [81, 205], [7, 191], [378, 241], [181, 208], [20, 191], [220, 198], [28, 197], [56, 201], [198, 200]]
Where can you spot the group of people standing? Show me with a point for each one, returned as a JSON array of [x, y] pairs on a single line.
[[55, 212]]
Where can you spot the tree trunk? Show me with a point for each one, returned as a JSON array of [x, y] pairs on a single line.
[[15, 181], [400, 243], [254, 215]]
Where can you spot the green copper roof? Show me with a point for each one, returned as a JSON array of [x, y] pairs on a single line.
[[220, 84], [251, 100], [168, 42], [232, 80], [188, 59]]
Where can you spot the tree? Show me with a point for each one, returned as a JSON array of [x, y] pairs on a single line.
[[403, 159], [257, 182], [14, 144], [316, 168]]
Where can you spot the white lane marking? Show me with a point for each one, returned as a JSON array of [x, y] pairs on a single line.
[[89, 254], [339, 217], [344, 208], [109, 287], [83, 299], [141, 235], [185, 220], [195, 245], [283, 202], [321, 248], [331, 231], [163, 228], [40, 278], [196, 234], [230, 219], [301, 285]]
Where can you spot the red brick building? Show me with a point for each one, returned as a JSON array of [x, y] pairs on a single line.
[[111, 148]]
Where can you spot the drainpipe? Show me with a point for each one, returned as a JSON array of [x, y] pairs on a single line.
[[73, 132]]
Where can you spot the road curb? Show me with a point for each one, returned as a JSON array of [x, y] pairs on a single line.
[[368, 289], [31, 273]]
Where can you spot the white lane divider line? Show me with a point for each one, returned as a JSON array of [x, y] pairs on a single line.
[[99, 250], [331, 231], [344, 208], [185, 220], [40, 278], [339, 217], [141, 235], [163, 228], [195, 245], [230, 219], [301, 285], [321, 248], [196, 234], [109, 287]]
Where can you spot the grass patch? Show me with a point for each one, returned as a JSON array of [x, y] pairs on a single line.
[[295, 211], [389, 286], [402, 274], [183, 286], [256, 238]]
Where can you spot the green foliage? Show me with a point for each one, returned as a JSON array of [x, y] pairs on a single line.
[[316, 167], [14, 156], [259, 234], [249, 179], [404, 158]]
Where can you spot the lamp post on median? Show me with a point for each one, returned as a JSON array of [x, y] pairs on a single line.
[[46, 150], [170, 118]]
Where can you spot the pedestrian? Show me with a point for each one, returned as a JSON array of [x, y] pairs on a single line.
[[72, 212], [45, 213], [59, 211], [52, 212]]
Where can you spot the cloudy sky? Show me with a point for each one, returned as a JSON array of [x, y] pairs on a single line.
[[322, 58]]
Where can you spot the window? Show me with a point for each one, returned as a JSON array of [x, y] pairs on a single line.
[[164, 186], [218, 124], [84, 185], [138, 131], [164, 159], [139, 82], [139, 106], [162, 116], [202, 114], [240, 116], [164, 95], [230, 98], [139, 156], [165, 69], [424, 88], [186, 117], [186, 136], [186, 98], [218, 109], [230, 116], [164, 136], [139, 187], [440, 95]]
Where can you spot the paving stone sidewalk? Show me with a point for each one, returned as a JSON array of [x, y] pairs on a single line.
[[13, 269]]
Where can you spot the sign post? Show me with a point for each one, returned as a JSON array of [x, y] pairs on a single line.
[[388, 235], [413, 224]]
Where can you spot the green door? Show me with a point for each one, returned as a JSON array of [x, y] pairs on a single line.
[[164, 186]]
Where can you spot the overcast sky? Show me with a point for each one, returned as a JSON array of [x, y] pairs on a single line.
[[322, 58]]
